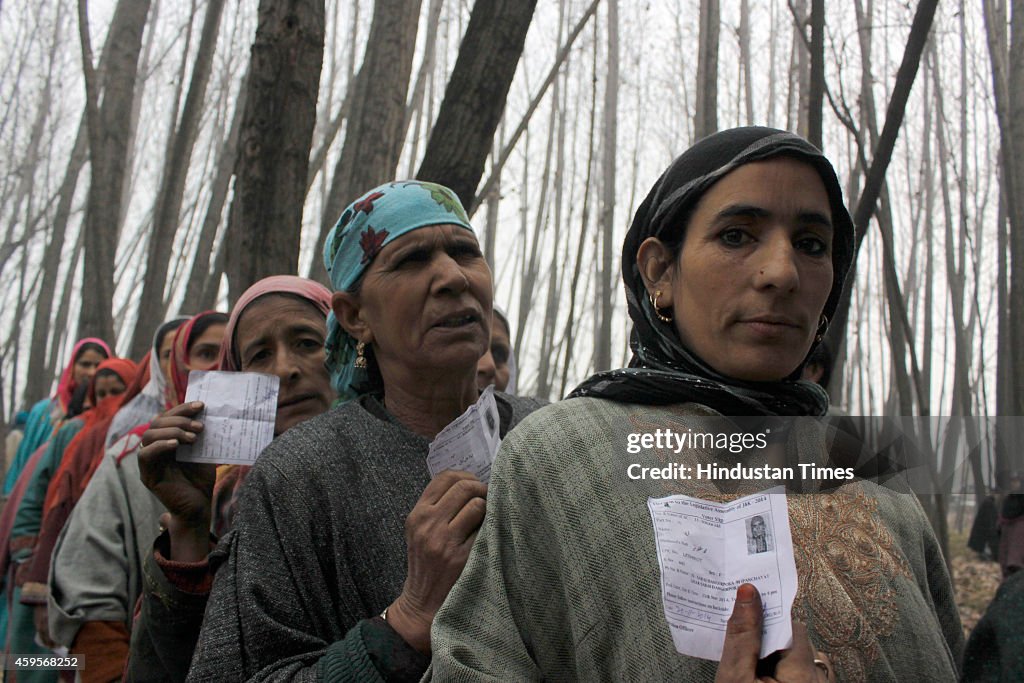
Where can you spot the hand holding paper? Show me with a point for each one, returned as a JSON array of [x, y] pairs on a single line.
[[238, 419], [184, 488], [740, 663], [470, 443], [707, 550]]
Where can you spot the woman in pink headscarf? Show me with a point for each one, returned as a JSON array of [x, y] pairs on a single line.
[[278, 327], [85, 358]]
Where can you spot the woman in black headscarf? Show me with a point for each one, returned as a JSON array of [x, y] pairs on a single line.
[[733, 265]]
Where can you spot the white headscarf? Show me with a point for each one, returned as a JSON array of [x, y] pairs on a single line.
[[150, 401]]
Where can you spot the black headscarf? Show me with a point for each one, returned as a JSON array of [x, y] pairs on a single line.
[[662, 370]]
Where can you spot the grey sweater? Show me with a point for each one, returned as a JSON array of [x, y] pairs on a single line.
[[318, 549]]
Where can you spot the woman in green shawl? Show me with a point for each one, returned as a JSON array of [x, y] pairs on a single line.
[[733, 265]]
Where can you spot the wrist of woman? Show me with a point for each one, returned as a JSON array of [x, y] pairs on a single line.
[[413, 627], [189, 539]]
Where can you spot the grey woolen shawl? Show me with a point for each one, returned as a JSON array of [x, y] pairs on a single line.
[[318, 544]]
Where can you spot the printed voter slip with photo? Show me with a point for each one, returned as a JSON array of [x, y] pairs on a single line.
[[238, 416], [706, 550], [470, 442]]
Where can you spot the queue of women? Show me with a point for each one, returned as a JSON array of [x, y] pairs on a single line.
[[337, 557]]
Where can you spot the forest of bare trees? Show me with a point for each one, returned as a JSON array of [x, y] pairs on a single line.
[[161, 156]]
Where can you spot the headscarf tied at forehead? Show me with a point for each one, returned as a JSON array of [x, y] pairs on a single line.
[[179, 359], [369, 224], [292, 285], [156, 387], [122, 367], [663, 371], [67, 385]]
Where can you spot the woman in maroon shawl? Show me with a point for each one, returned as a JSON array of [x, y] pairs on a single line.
[[278, 327]]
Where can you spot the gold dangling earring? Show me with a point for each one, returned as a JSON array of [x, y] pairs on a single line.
[[360, 357], [822, 328], [654, 302]]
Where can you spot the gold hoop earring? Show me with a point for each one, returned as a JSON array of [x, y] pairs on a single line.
[[822, 328], [654, 302], [360, 357]]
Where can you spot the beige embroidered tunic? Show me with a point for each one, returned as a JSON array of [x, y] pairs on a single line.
[[563, 582]]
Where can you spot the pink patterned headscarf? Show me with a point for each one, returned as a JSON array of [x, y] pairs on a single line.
[[313, 292], [231, 477]]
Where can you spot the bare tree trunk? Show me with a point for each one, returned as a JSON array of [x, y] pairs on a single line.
[[531, 267], [816, 89], [172, 190], [475, 97], [37, 379], [609, 147], [1008, 458], [318, 158], [928, 171], [563, 54], [373, 135], [547, 341], [202, 284], [492, 199], [1013, 161], [706, 115], [19, 314], [523, 240], [419, 89], [27, 171], [1008, 454], [179, 81], [60, 323], [277, 131], [772, 74], [27, 167], [1008, 84], [744, 36], [961, 401], [799, 69], [141, 73], [916, 41], [902, 390], [109, 134], [899, 336], [570, 321]]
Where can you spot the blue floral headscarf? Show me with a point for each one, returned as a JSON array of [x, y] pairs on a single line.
[[366, 226]]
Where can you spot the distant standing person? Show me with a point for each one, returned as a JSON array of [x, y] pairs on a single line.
[[14, 438], [1011, 528], [498, 365]]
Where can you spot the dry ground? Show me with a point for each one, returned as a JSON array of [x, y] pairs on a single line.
[[974, 580]]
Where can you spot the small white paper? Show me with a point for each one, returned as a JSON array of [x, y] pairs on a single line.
[[470, 442], [706, 550], [238, 418]]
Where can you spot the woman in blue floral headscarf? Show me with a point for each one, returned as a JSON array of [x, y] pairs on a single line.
[[343, 548]]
